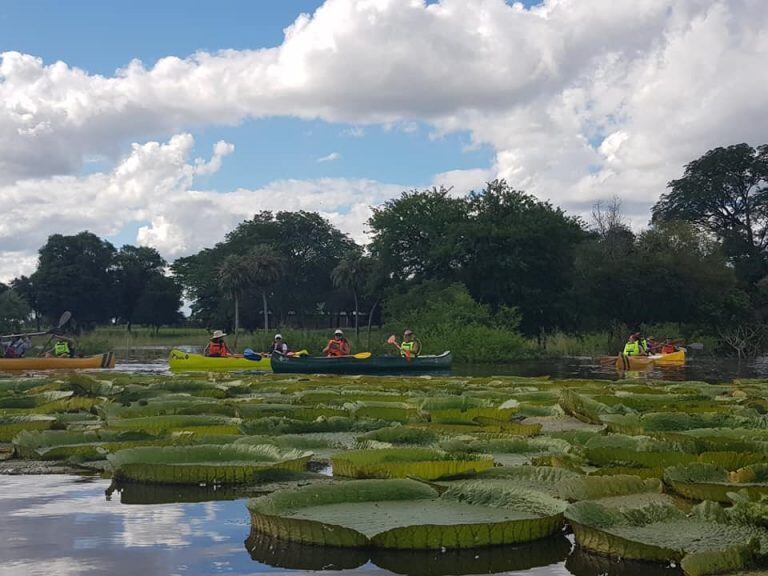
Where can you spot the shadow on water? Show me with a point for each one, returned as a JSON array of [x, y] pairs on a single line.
[[581, 563], [281, 554]]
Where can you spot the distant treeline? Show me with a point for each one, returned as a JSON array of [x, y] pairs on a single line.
[[489, 267]]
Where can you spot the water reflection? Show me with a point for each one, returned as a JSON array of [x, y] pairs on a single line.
[[169, 494], [490, 560], [582, 563]]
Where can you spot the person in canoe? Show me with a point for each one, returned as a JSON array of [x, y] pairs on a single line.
[[17, 347], [668, 347], [279, 345], [410, 347], [633, 347], [338, 346], [64, 347], [217, 346]]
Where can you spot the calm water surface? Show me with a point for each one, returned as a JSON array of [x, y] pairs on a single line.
[[63, 525]]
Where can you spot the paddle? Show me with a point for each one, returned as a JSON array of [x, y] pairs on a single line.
[[63, 319]]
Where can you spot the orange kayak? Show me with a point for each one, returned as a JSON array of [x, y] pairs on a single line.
[[106, 360], [624, 362]]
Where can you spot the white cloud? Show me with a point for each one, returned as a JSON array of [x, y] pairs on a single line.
[[462, 182], [154, 187], [580, 99], [332, 157]]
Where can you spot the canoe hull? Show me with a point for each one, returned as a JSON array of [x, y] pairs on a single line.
[[180, 361], [349, 365], [624, 362], [106, 360]]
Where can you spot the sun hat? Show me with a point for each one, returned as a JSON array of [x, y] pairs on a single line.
[[278, 336], [338, 331], [218, 334]]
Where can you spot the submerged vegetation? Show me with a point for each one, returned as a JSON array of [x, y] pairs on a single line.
[[668, 472]]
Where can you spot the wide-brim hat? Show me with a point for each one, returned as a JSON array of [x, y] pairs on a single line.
[[218, 334]]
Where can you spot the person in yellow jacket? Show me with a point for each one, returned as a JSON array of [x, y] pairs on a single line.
[[633, 347], [410, 347]]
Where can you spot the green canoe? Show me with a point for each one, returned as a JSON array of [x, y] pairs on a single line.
[[352, 365], [180, 361]]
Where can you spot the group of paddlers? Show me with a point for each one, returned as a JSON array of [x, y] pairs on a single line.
[[639, 345], [338, 346]]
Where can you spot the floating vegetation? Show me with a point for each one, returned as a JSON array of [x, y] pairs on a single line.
[[638, 470], [407, 514], [208, 464], [423, 463]]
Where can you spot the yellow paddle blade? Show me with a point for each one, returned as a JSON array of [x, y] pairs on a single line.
[[301, 353], [362, 355]]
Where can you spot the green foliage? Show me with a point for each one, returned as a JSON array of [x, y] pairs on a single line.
[[447, 318], [14, 311]]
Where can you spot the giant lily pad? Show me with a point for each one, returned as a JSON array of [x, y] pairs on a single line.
[[708, 482], [12, 425], [662, 533], [402, 462], [406, 514], [211, 464]]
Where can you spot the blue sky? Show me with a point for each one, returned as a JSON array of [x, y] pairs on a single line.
[[101, 36]]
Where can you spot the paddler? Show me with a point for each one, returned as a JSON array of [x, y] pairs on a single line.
[[410, 347], [632, 347], [279, 345], [62, 348], [217, 346], [338, 346]]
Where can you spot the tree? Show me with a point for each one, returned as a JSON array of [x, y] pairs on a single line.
[[267, 269], [416, 236], [518, 251], [235, 275], [75, 273], [135, 268], [14, 311], [307, 245], [726, 192], [25, 288], [159, 302], [350, 275]]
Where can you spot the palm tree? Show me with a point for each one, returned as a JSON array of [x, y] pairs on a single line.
[[267, 269], [235, 275], [349, 274]]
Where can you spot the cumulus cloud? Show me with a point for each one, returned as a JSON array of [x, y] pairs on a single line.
[[332, 157], [580, 100], [153, 187]]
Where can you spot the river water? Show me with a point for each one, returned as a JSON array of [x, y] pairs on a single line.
[[68, 525], [64, 525]]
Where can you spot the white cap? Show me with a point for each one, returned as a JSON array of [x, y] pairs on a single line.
[[278, 336], [338, 331]]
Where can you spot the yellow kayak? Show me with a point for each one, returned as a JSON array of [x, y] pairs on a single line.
[[624, 362], [106, 360], [180, 361]]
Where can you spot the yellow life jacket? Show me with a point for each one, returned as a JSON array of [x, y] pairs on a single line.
[[61, 348]]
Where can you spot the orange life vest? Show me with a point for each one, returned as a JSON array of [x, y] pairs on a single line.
[[218, 349], [337, 347], [668, 349]]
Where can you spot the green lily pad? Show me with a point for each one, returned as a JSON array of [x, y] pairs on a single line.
[[406, 514], [403, 462], [211, 464]]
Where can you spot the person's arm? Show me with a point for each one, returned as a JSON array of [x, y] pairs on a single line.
[[417, 347], [345, 348], [327, 347]]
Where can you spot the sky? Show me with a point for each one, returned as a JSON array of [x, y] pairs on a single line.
[[167, 123]]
